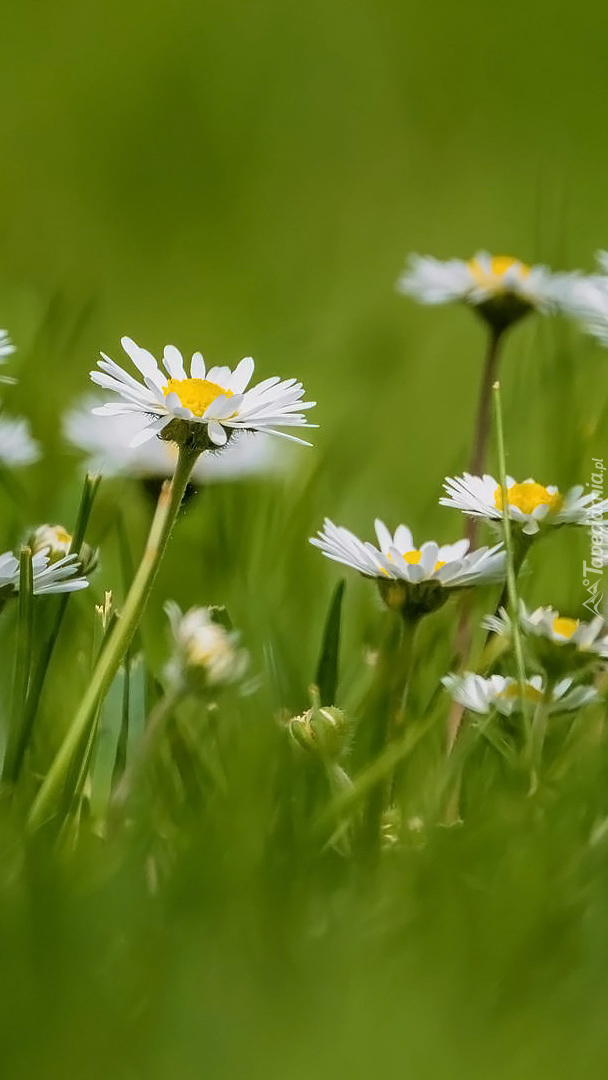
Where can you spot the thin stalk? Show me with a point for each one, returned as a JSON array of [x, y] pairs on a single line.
[[120, 759], [483, 416], [154, 728], [538, 733], [391, 728], [42, 664], [169, 503], [511, 557], [22, 664]]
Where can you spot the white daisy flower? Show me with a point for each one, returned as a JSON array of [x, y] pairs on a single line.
[[206, 653], [501, 287], [557, 642], [530, 503], [217, 401], [6, 349], [17, 447], [586, 299], [502, 694], [422, 576], [107, 442], [49, 577]]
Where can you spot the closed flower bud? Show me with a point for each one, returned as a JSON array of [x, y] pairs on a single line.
[[322, 730]]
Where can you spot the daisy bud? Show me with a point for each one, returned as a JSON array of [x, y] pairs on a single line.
[[321, 730], [206, 653]]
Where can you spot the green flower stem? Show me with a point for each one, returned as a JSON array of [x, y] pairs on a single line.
[[483, 417], [43, 660], [538, 733], [511, 559], [390, 726], [169, 503], [155, 725], [22, 664]]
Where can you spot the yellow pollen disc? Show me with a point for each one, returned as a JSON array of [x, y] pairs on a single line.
[[564, 627], [63, 537], [512, 691], [413, 558], [527, 497], [499, 264], [195, 394]]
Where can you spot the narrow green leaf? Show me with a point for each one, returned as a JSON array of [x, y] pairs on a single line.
[[327, 671]]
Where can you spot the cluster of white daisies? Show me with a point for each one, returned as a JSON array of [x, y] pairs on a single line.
[[234, 421]]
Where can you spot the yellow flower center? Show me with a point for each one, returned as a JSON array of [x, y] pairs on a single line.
[[564, 627], [527, 497], [195, 394], [511, 691], [499, 264], [413, 558]]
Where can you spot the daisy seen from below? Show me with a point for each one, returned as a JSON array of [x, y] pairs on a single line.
[[205, 406], [17, 447], [531, 505], [107, 442], [60, 576], [557, 642], [6, 349], [411, 580], [502, 694], [501, 287]]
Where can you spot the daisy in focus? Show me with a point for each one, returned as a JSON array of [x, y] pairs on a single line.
[[60, 576], [501, 288], [411, 580], [502, 694], [531, 505], [107, 442], [17, 447], [205, 405], [6, 349]]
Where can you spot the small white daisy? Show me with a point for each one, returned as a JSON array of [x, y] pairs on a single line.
[[586, 299], [501, 287], [215, 401], [49, 577], [107, 442], [206, 653], [6, 349], [502, 694], [557, 643], [530, 504], [422, 575], [17, 447]]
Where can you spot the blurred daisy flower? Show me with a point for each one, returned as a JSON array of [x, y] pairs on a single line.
[[502, 694], [557, 642], [6, 349], [107, 442], [207, 405], [60, 576], [17, 447], [501, 288], [411, 580], [586, 299], [531, 505], [206, 654]]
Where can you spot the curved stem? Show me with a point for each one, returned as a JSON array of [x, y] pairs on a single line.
[[120, 638]]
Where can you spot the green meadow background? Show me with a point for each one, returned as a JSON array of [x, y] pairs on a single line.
[[248, 178]]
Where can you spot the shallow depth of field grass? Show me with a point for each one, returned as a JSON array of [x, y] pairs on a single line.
[[249, 179]]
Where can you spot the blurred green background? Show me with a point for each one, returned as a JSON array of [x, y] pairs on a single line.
[[248, 178]]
